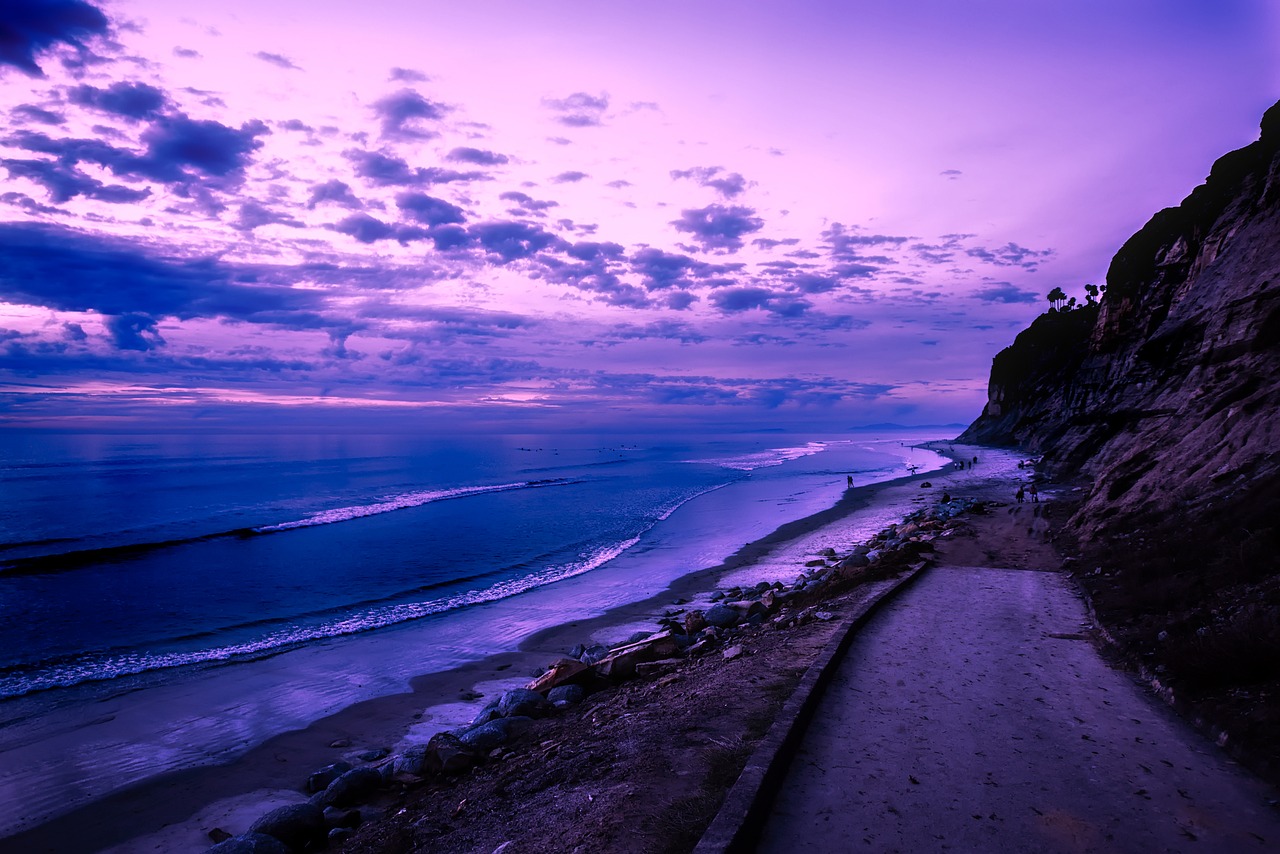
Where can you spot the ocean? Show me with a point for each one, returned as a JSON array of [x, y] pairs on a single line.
[[171, 602], [128, 555]]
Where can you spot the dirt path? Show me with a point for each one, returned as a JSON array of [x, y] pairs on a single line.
[[975, 714]]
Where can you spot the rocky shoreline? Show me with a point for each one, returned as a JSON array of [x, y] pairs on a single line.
[[356, 804]]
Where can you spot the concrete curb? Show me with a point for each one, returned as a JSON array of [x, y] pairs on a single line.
[[737, 825]]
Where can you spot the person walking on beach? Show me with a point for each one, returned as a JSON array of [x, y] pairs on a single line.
[[1022, 494], [849, 478], [1035, 493]]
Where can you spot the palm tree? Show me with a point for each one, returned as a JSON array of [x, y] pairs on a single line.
[[1056, 297], [1090, 294]]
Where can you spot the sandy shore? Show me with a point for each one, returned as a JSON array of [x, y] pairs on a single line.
[[172, 812]]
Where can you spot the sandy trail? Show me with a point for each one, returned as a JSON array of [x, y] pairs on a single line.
[[975, 714]]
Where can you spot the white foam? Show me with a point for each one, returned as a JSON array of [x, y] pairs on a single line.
[[765, 459]]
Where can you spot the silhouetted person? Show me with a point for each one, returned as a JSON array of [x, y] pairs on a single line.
[[1035, 493], [850, 479], [1022, 494]]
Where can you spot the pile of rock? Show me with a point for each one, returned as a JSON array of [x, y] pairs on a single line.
[[340, 789]]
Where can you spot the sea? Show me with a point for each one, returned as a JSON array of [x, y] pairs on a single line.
[[130, 555]]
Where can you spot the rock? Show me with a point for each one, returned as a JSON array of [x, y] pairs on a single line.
[[566, 671], [320, 780], [825, 616], [594, 654], [722, 616], [732, 652], [488, 713], [340, 834], [649, 668], [926, 485], [340, 743], [521, 702], [635, 638], [622, 663], [486, 737], [412, 761], [219, 835], [818, 562], [694, 622], [335, 817], [296, 825], [250, 843], [577, 651], [446, 754], [717, 596], [855, 561], [570, 695], [374, 755], [352, 787]]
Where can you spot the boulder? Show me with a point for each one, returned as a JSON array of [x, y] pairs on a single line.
[[351, 788], [594, 654], [648, 668], [855, 561], [486, 737], [566, 671], [722, 616], [250, 843], [412, 761], [521, 702], [622, 663], [577, 651], [335, 817], [694, 622], [732, 652], [320, 780], [296, 825], [568, 695], [446, 754], [488, 713]]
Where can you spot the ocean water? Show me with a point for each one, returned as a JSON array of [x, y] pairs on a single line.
[[123, 556]]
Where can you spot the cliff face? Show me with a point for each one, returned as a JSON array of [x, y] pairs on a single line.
[[1167, 393]]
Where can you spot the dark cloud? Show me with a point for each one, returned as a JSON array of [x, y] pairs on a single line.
[[186, 53], [367, 229], [65, 182], [277, 60], [849, 243], [727, 184], [1010, 255], [718, 226], [176, 145], [511, 241], [66, 270], [408, 75], [768, 243], [812, 283], [579, 109], [429, 210], [32, 113], [384, 170], [401, 115], [134, 332], [252, 215], [619, 184], [477, 156], [134, 101], [30, 27], [569, 177], [1006, 293], [527, 204], [733, 300], [334, 192], [951, 174]]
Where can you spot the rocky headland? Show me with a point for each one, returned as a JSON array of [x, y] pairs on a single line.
[[1160, 396]]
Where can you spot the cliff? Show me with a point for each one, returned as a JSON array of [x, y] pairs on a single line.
[[1165, 394], [1163, 401]]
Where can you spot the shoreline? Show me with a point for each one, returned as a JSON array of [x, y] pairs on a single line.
[[277, 766]]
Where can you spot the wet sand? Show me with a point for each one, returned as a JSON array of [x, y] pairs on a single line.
[[265, 774]]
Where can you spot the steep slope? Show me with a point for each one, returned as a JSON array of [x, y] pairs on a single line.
[[1165, 400], [1166, 394]]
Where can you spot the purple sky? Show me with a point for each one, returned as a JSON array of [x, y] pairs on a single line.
[[513, 215]]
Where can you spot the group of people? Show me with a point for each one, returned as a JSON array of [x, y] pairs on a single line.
[[1022, 493]]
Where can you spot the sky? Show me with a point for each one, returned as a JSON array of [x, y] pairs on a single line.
[[518, 216]]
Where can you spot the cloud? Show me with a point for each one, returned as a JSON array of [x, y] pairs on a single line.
[[511, 241], [569, 177], [951, 174], [133, 101], [134, 332], [579, 109], [384, 170], [252, 215], [334, 192], [367, 229], [408, 75], [429, 210], [476, 156], [32, 113], [30, 27], [1005, 292], [64, 182], [718, 226], [527, 204], [401, 115], [66, 270], [729, 184], [277, 60], [1011, 255], [849, 243], [176, 145]]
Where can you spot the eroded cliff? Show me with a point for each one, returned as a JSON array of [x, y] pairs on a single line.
[[1166, 393]]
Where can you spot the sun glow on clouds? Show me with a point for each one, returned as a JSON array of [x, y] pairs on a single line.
[[804, 217]]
